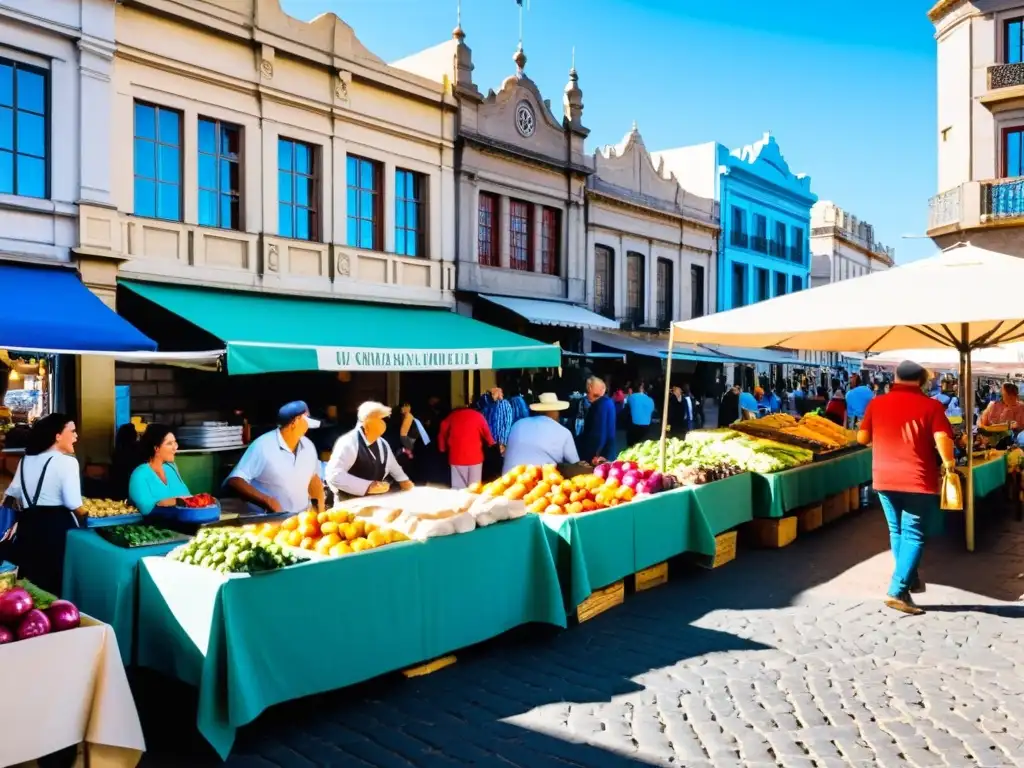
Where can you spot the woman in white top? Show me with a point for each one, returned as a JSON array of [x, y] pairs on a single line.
[[48, 487]]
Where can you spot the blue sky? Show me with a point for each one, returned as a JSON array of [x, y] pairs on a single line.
[[848, 92]]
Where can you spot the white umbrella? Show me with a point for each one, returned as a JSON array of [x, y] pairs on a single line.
[[942, 301], [993, 360]]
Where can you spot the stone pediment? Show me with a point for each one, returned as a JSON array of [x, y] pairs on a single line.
[[518, 115], [764, 158], [629, 167], [326, 33]]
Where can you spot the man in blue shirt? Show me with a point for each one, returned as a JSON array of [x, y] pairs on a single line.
[[598, 438], [640, 407], [748, 403], [857, 400], [500, 417]]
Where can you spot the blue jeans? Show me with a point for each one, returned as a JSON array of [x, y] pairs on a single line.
[[905, 513]]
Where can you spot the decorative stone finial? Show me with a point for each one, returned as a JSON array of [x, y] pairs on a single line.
[[520, 60], [573, 101], [463, 81]]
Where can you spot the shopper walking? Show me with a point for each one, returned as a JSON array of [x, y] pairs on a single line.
[[640, 408], [905, 428], [464, 435], [597, 440]]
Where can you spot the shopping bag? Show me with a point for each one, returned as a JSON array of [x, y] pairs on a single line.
[[951, 495]]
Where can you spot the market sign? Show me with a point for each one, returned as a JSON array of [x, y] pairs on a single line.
[[377, 359]]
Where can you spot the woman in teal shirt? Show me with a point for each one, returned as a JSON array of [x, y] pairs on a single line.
[[156, 482]]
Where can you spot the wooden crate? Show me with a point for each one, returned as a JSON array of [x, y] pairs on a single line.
[[853, 499], [430, 667], [809, 518], [772, 533], [652, 577], [834, 507], [725, 551], [601, 600]]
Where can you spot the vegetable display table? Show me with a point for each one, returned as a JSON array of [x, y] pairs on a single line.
[[245, 641], [779, 493], [102, 580], [989, 476], [596, 549], [68, 688]]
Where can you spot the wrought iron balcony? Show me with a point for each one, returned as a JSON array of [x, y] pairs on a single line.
[[738, 239], [777, 248], [1005, 75], [796, 253], [759, 244], [1002, 199], [945, 209]]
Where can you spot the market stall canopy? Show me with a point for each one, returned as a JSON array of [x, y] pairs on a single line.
[[698, 353], [541, 312], [61, 316], [266, 333], [993, 360], [942, 301]]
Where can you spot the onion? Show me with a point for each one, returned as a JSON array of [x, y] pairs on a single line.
[[63, 615], [6, 636], [15, 603], [601, 470], [656, 481], [614, 473], [618, 464], [641, 488], [627, 466], [631, 478], [34, 624]]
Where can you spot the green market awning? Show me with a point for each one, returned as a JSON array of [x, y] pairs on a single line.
[[265, 333]]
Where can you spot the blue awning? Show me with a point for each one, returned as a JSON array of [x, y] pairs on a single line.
[[50, 310]]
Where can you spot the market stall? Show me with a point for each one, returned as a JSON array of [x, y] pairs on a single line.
[[955, 312]]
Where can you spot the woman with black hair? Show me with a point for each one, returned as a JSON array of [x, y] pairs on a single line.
[[156, 481], [48, 486]]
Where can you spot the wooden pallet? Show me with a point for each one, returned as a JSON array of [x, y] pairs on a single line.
[[809, 518], [652, 577], [772, 532], [834, 507], [430, 667], [600, 601]]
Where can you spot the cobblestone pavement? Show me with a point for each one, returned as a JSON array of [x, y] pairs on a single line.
[[783, 658]]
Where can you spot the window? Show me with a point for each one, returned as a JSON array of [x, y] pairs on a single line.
[[487, 230], [739, 285], [409, 225], [23, 130], [780, 283], [796, 245], [635, 288], [1013, 41], [1013, 152], [696, 290], [365, 203], [666, 291], [157, 162], [520, 236], [738, 235], [778, 247], [761, 281], [604, 281], [220, 184], [297, 190], [760, 240], [798, 283], [550, 240]]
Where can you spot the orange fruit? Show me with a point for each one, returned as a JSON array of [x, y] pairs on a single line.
[[517, 491], [360, 545], [348, 530], [554, 478], [339, 549], [553, 509], [309, 529], [360, 526], [575, 508], [307, 543], [589, 506], [294, 538], [613, 483], [376, 539], [518, 469], [323, 517], [625, 493], [547, 469], [560, 499], [475, 488], [327, 528], [290, 523], [307, 517], [542, 487], [538, 506]]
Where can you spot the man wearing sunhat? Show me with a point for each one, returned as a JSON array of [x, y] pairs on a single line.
[[280, 471], [541, 438]]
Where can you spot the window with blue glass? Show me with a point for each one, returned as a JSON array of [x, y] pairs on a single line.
[[739, 285], [798, 283], [796, 246], [23, 130], [1013, 41], [220, 192], [1013, 152], [781, 281], [409, 240], [157, 162], [297, 185], [363, 179]]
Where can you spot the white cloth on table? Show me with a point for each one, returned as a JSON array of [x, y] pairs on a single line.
[[270, 466], [62, 486], [539, 440]]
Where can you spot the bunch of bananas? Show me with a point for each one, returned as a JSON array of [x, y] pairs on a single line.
[[777, 421]]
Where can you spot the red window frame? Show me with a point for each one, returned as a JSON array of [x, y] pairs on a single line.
[[520, 236], [550, 241], [487, 230]]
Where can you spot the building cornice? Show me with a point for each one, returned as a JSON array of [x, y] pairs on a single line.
[[638, 207], [942, 8], [840, 234], [494, 146]]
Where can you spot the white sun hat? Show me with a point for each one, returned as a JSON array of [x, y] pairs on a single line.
[[549, 402]]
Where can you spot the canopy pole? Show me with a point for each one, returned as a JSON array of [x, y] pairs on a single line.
[[668, 389], [965, 361]]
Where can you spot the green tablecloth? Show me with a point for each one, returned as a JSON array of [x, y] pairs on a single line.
[[989, 477], [778, 493], [248, 643], [101, 579]]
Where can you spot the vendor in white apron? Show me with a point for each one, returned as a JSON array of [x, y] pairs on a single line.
[[362, 461]]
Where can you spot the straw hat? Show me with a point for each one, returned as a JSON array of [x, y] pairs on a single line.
[[549, 402]]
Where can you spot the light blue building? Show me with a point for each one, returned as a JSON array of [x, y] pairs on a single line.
[[765, 209]]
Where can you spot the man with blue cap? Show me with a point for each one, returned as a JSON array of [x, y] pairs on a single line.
[[280, 471]]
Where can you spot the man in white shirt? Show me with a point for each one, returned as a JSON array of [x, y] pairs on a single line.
[[362, 460], [541, 439], [280, 471]]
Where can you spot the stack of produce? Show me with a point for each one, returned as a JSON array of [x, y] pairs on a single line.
[[27, 612], [100, 508], [814, 432], [545, 490], [748, 453], [199, 501], [334, 533], [130, 536], [229, 550], [683, 463]]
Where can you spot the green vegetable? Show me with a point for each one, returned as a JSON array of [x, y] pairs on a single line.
[[229, 550]]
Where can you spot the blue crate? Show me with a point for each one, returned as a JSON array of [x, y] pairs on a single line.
[[198, 515], [103, 522]]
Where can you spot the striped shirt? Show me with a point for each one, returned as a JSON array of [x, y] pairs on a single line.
[[500, 417]]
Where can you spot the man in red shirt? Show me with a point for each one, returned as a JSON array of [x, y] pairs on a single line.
[[909, 434], [463, 436]]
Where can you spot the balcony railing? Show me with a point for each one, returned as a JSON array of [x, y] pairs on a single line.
[[1002, 199], [777, 248], [796, 253], [945, 209], [1005, 75], [759, 243], [738, 239]]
